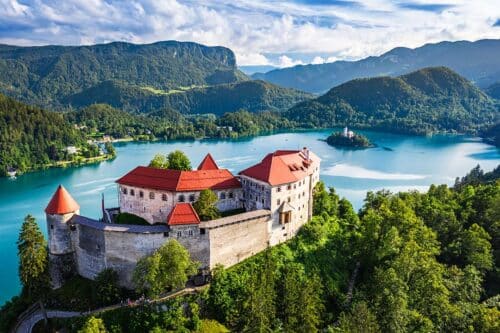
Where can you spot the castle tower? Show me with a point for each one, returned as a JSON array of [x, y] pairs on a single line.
[[61, 208]]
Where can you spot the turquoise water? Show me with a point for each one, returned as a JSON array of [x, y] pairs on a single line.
[[398, 163]]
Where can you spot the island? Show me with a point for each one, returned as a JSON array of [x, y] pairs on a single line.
[[349, 139]]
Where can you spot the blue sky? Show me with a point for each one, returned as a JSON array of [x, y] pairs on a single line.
[[278, 33]]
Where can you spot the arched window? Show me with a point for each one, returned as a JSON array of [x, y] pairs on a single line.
[[182, 198], [223, 195], [231, 195], [164, 197], [141, 194], [192, 198], [132, 192], [124, 190]]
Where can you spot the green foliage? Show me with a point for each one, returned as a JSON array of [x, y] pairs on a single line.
[[164, 65], [254, 96], [108, 290], [205, 205], [33, 138], [33, 258], [159, 161], [212, 326], [407, 262], [177, 160], [128, 218], [167, 268], [360, 319], [425, 101], [110, 149], [93, 325], [337, 139]]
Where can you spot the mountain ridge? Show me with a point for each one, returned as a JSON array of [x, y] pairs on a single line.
[[398, 61], [428, 100], [43, 75]]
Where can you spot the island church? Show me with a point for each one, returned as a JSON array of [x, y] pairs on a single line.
[[265, 204]]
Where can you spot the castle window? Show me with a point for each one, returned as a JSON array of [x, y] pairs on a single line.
[[223, 195], [202, 231], [278, 189], [179, 233], [51, 226], [289, 187], [164, 197], [141, 194], [190, 232], [294, 186], [192, 198], [231, 195], [165, 234], [278, 202], [72, 227], [182, 198], [151, 195], [132, 192], [262, 200], [289, 199], [124, 190]]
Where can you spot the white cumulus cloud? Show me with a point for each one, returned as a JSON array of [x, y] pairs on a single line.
[[253, 29]]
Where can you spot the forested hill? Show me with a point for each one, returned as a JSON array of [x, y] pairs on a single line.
[[425, 101], [45, 75], [477, 61], [31, 137], [254, 96]]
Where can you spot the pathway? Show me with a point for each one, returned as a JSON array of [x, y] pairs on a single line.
[[26, 324]]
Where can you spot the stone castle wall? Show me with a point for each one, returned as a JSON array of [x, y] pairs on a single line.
[[226, 241], [235, 238]]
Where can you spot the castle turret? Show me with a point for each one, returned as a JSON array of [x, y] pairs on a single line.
[[61, 208]]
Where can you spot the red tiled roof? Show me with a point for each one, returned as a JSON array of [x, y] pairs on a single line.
[[208, 163], [183, 213], [175, 180], [61, 202], [282, 167]]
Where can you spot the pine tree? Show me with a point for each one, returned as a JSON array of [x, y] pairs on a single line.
[[33, 258]]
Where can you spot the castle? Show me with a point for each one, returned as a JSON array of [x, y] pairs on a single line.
[[265, 205]]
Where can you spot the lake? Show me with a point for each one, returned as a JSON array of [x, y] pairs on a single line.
[[398, 163]]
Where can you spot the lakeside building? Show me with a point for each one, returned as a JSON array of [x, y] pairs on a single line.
[[273, 199]]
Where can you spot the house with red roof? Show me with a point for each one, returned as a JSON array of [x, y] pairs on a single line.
[[153, 193], [282, 183]]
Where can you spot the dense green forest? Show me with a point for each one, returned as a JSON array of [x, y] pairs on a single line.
[[99, 119], [45, 75], [254, 96], [407, 262], [426, 101], [32, 138], [477, 61]]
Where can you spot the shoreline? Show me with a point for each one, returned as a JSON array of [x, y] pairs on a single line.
[[107, 157]]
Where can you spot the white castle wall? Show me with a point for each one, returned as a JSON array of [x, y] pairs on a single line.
[[154, 209], [261, 195]]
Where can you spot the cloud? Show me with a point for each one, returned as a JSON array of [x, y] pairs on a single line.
[[299, 31], [285, 61]]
